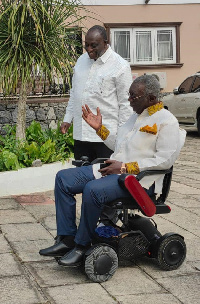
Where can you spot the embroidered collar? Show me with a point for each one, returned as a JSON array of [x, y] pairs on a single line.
[[157, 107]]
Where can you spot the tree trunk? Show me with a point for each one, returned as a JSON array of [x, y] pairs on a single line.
[[21, 114]]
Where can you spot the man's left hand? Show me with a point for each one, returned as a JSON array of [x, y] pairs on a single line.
[[113, 168], [95, 121]]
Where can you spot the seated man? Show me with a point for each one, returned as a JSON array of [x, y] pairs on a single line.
[[149, 140]]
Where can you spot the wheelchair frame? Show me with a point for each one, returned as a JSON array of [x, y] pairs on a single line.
[[138, 235]]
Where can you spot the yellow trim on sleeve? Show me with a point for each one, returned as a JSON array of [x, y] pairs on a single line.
[[132, 168], [103, 132]]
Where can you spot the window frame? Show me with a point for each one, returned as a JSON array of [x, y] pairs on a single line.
[[163, 25]]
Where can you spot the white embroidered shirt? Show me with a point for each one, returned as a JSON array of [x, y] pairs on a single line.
[[151, 151], [103, 83]]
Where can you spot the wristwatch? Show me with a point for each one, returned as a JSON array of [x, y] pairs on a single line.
[[123, 168]]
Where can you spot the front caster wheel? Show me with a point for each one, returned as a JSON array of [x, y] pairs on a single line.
[[101, 262], [171, 252]]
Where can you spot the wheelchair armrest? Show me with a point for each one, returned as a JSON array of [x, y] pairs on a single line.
[[153, 172], [145, 204], [98, 160], [84, 161], [80, 163], [166, 181], [143, 174]]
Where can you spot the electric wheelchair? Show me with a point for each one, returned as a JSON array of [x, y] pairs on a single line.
[[137, 235]]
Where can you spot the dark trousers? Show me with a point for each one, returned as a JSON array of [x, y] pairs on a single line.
[[92, 150], [95, 194], [95, 150]]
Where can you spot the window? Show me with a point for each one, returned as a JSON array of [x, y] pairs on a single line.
[[146, 44], [196, 85], [190, 85], [186, 85]]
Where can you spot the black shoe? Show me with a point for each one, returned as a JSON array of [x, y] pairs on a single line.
[[73, 258], [57, 250], [59, 238]]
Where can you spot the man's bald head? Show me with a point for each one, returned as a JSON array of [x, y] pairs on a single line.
[[100, 30], [96, 42]]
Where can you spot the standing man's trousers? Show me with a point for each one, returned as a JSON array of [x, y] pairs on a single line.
[[95, 193]]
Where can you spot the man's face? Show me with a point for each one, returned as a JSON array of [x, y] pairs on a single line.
[[95, 45], [138, 100]]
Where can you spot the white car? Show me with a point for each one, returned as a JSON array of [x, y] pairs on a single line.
[[184, 103]]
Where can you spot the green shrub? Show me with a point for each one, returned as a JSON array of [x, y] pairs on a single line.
[[47, 145]]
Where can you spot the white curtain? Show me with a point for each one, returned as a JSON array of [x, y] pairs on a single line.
[[122, 44], [164, 45], [143, 46]]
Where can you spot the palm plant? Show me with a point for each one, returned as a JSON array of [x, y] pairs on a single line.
[[35, 35]]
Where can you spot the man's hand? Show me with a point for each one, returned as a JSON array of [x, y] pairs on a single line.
[[113, 168], [64, 127], [95, 121]]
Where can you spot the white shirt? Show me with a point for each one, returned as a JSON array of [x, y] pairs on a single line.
[[103, 83], [152, 152]]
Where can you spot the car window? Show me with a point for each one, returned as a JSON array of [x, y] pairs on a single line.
[[186, 85], [196, 85]]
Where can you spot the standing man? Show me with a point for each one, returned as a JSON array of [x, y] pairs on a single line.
[[101, 79]]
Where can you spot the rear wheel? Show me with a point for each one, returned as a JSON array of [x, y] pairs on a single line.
[[171, 252]]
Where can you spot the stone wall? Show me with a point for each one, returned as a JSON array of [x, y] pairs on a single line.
[[47, 111]]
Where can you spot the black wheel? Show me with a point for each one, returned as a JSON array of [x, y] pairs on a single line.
[[198, 124], [101, 262], [171, 252]]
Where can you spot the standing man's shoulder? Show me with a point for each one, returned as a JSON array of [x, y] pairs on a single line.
[[84, 58], [121, 61]]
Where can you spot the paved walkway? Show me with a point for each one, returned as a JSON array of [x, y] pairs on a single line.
[[27, 224]]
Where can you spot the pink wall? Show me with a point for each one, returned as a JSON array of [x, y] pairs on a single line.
[[188, 14]]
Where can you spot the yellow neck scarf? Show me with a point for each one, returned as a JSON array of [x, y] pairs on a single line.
[[157, 107]]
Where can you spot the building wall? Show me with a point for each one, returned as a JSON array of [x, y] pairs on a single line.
[[188, 14], [136, 2]]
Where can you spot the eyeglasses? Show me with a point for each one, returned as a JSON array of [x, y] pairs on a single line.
[[135, 98]]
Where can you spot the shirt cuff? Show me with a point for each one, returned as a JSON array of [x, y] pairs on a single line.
[[103, 132], [132, 168], [68, 118]]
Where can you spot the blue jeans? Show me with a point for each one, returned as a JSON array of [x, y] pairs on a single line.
[[95, 194]]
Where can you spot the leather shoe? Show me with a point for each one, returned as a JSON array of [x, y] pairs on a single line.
[[58, 239], [57, 250], [73, 258]]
